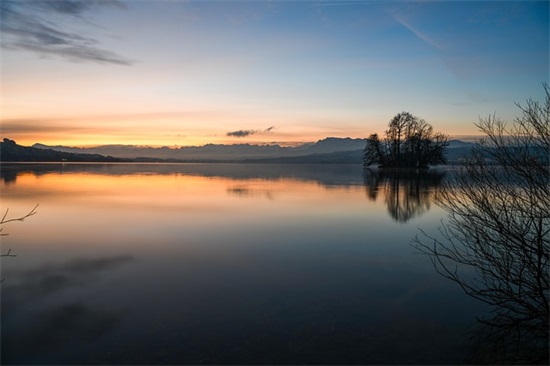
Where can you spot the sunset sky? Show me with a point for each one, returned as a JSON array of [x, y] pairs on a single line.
[[181, 73]]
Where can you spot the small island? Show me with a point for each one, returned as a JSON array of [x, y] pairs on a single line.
[[409, 143]]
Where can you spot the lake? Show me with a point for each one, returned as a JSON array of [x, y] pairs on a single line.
[[224, 264]]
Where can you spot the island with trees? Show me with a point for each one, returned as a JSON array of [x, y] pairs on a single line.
[[409, 142]]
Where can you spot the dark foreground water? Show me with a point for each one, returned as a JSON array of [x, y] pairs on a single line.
[[224, 264]]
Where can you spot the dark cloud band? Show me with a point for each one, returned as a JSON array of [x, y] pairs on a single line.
[[245, 133], [25, 28]]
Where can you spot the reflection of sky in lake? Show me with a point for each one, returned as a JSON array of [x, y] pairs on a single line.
[[219, 264]]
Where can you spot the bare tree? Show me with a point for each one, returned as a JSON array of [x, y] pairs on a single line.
[[495, 242]]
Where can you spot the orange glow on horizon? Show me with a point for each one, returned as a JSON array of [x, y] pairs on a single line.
[[94, 140], [190, 128]]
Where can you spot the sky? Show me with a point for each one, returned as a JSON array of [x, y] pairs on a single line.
[[189, 73]]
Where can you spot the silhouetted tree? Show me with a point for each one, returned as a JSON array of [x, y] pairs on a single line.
[[409, 142], [496, 241]]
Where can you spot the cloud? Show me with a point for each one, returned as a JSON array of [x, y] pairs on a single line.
[[417, 33], [241, 133], [245, 133], [343, 3], [21, 126], [25, 27]]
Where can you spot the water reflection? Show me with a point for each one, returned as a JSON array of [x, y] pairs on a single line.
[[33, 316], [244, 191], [328, 175], [75, 323], [218, 264], [38, 282], [407, 194]]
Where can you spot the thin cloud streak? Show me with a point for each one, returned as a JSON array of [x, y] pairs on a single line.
[[346, 3], [23, 126], [417, 33], [44, 130]]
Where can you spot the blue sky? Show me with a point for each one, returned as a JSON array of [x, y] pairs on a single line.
[[190, 72]]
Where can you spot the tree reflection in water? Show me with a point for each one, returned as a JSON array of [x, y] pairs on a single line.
[[406, 191]]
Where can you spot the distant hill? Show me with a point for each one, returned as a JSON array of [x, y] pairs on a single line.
[[327, 151], [10, 151], [339, 157], [458, 150], [216, 151]]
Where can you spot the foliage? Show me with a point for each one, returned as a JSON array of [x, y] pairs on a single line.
[[496, 242], [409, 142]]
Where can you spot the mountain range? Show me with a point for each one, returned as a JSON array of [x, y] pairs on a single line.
[[216, 151], [329, 150]]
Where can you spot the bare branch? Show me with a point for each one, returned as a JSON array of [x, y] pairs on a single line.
[[495, 242], [22, 218], [5, 220]]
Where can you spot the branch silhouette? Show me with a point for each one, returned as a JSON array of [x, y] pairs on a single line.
[[5, 220], [495, 242]]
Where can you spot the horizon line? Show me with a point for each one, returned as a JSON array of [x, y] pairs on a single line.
[[287, 144]]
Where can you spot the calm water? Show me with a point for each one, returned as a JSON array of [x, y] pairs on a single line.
[[221, 264]]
